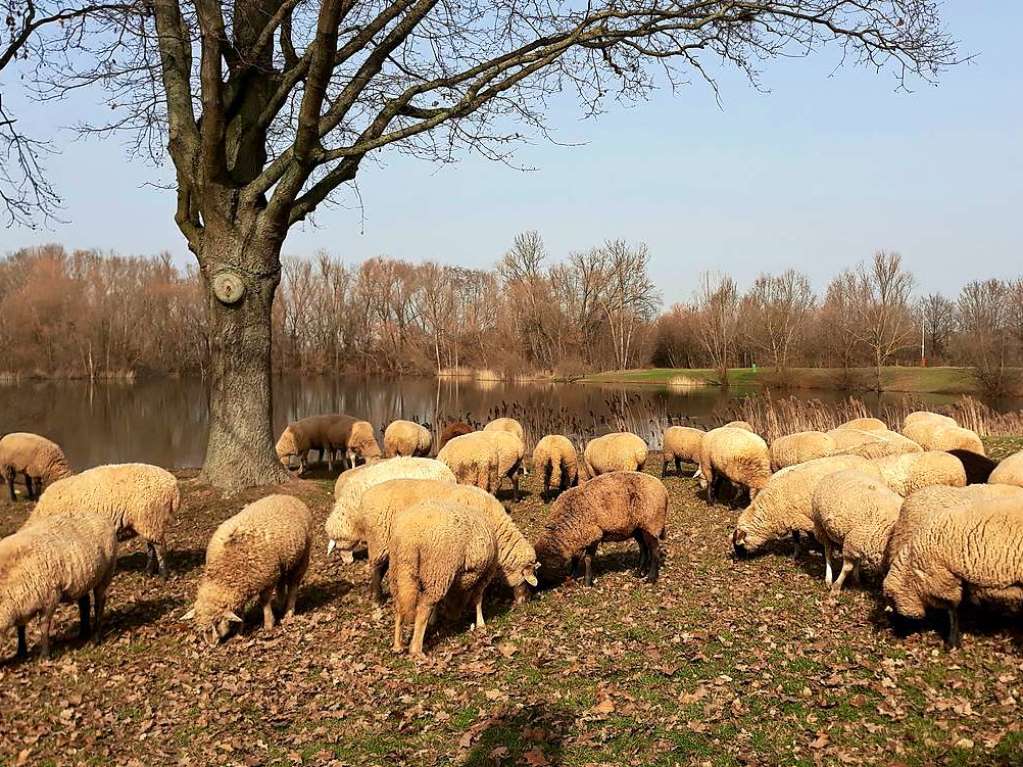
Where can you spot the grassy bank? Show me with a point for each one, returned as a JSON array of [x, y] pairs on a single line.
[[938, 380], [721, 663]]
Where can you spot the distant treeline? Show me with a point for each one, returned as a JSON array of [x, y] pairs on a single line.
[[96, 314]]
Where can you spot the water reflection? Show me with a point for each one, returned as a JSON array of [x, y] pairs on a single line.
[[164, 421]]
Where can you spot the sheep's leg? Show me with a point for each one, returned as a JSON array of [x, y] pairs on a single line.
[[83, 617], [678, 466], [547, 484], [573, 567], [711, 481], [44, 639], [398, 645], [22, 643], [160, 552], [643, 553], [654, 549], [10, 485], [330, 458], [828, 575], [100, 602], [266, 597], [664, 466], [28, 487], [478, 600], [423, 612], [150, 558], [954, 638], [515, 487], [591, 551], [847, 566], [797, 544], [376, 588], [293, 580]]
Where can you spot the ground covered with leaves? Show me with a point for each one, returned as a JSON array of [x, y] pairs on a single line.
[[722, 662]]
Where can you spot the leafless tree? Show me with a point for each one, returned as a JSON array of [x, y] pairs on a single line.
[[779, 306], [938, 320], [985, 321], [716, 312], [626, 295], [268, 107], [881, 309]]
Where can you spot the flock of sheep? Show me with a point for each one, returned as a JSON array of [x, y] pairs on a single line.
[[925, 509]]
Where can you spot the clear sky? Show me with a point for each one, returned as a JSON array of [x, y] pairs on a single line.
[[817, 173]]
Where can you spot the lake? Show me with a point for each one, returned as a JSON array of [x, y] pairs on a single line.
[[164, 421]]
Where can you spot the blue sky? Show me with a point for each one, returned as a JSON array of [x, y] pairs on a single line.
[[817, 173]]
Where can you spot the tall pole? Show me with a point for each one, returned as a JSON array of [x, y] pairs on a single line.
[[923, 327]]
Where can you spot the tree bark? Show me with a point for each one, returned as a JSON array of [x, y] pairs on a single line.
[[240, 450]]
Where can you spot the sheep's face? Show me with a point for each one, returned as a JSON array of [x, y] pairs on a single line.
[[286, 447], [747, 538], [343, 537], [212, 624], [900, 589]]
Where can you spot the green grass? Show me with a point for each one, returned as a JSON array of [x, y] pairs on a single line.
[[937, 380]]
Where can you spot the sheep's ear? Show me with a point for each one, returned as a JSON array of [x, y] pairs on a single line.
[[189, 615], [233, 617]]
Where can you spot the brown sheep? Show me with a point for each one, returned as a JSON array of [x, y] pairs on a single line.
[[329, 434], [615, 506], [452, 430]]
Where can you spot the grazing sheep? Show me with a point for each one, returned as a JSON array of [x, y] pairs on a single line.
[[510, 453], [406, 438], [978, 467], [612, 507], [680, 444], [62, 558], [555, 456], [1009, 471], [975, 552], [362, 444], [438, 552], [800, 447], [352, 485], [737, 455], [919, 507], [329, 434], [474, 459], [907, 473], [784, 508], [865, 424], [38, 459], [871, 444], [617, 451], [922, 416], [452, 430], [137, 498], [854, 512], [263, 548], [371, 524], [509, 425]]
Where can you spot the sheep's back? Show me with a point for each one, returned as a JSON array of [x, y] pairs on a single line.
[[267, 537]]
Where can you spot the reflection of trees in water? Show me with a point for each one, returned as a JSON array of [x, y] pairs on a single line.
[[164, 421]]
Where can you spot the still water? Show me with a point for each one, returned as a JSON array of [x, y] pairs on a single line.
[[164, 421]]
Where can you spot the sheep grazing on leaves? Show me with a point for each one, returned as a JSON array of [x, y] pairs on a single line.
[[406, 438], [37, 459], [799, 448], [351, 486], [262, 549], [62, 558], [138, 499], [485, 459], [783, 510], [439, 553], [974, 553], [612, 507], [680, 444], [556, 459], [618, 451], [736, 455], [509, 425], [329, 434], [853, 512], [371, 523]]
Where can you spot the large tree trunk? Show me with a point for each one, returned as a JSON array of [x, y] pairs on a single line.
[[240, 451]]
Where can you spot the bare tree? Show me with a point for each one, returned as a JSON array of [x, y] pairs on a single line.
[[938, 323], [985, 322], [627, 296], [268, 107], [880, 305], [779, 307], [716, 312]]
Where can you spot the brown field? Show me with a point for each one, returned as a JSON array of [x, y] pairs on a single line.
[[721, 662]]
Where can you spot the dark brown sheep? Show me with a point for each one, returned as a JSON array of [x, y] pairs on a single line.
[[452, 430], [615, 506]]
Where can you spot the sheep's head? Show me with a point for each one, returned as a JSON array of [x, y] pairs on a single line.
[[287, 447], [749, 535], [550, 559], [901, 590], [342, 534], [212, 619]]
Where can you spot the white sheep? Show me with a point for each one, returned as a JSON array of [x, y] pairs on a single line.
[[137, 498], [36, 458], [618, 451], [737, 455], [62, 558], [1009, 471], [406, 438], [680, 444], [800, 447], [907, 473], [263, 548]]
